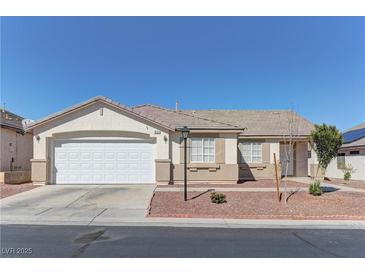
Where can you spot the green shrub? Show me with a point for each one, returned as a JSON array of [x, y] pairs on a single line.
[[347, 171], [218, 198], [315, 188], [347, 176]]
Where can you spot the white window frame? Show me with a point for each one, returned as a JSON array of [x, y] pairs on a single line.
[[203, 150], [250, 161]]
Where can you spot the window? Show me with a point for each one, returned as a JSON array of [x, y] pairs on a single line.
[[250, 152], [354, 152], [341, 161], [202, 150]]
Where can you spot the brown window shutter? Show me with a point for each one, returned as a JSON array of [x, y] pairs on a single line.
[[220, 150], [266, 153]]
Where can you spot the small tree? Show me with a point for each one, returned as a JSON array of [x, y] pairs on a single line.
[[325, 140], [291, 125]]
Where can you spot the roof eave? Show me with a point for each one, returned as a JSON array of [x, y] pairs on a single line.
[[86, 104], [210, 129], [272, 136]]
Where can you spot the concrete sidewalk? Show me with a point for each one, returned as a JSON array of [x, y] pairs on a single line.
[[256, 189], [303, 180]]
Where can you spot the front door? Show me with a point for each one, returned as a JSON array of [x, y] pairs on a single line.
[[284, 155]]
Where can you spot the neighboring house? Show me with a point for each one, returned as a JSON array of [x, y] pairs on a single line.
[[100, 141], [16, 149], [351, 154]]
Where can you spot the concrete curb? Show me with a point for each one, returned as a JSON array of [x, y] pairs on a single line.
[[205, 223]]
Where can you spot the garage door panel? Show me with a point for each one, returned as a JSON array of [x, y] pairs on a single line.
[[122, 156], [86, 156], [108, 162], [98, 156]]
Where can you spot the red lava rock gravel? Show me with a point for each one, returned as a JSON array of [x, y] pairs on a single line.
[[261, 205], [8, 190]]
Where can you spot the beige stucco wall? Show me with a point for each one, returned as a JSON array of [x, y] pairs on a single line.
[[175, 147], [21, 149], [90, 119], [40, 171], [231, 148], [274, 148], [357, 162], [257, 171], [98, 121], [205, 173]]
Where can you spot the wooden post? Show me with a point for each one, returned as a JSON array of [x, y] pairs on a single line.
[[277, 178]]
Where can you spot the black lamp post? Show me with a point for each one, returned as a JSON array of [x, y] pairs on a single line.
[[185, 133]]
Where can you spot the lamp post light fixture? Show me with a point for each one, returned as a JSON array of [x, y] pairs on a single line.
[[185, 133]]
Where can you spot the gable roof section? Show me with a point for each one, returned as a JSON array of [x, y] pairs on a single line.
[[87, 103], [259, 122], [165, 118], [180, 119]]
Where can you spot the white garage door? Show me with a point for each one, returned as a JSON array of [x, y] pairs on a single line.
[[103, 162]]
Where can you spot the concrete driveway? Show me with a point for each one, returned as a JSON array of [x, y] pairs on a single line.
[[77, 203]]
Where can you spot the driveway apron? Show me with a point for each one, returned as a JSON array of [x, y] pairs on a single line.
[[78, 203]]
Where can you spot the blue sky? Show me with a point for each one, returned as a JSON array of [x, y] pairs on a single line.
[[314, 65]]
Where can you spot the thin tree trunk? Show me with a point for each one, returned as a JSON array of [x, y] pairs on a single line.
[[285, 179]]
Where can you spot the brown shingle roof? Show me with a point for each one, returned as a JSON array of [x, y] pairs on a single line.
[[259, 122], [179, 119], [163, 117]]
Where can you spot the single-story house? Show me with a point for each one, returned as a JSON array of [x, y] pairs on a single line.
[[103, 142], [16, 149], [350, 155]]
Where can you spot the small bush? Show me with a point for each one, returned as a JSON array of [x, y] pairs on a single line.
[[315, 188], [347, 170], [347, 176], [218, 198]]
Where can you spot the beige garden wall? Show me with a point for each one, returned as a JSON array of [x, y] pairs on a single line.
[[357, 162]]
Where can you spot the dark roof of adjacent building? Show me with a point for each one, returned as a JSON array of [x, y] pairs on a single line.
[[355, 136], [260, 122], [11, 120]]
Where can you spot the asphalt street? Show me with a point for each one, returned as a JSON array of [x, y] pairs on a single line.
[[168, 242]]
